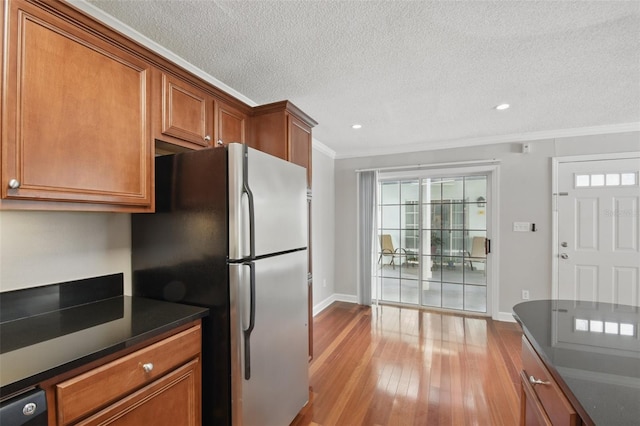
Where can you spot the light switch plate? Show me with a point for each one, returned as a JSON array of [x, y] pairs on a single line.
[[521, 226]]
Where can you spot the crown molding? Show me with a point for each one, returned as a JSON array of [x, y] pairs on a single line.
[[490, 140], [126, 30], [319, 146]]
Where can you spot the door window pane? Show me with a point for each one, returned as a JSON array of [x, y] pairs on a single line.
[[597, 180], [431, 293], [390, 193], [409, 292], [431, 190], [409, 192], [628, 178], [390, 217], [453, 189], [391, 289], [475, 189], [582, 181], [452, 296], [613, 179], [410, 215], [475, 298], [432, 216], [432, 268]]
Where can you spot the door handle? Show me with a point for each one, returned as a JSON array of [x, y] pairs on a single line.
[[564, 255], [247, 190], [252, 319]]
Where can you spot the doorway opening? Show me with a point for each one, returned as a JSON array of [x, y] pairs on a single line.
[[433, 241]]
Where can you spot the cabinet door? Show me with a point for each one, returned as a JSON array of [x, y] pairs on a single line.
[[531, 410], [187, 113], [171, 400], [75, 121], [551, 398], [299, 136], [230, 125]]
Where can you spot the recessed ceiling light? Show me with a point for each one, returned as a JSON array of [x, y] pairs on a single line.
[[356, 126], [502, 107]]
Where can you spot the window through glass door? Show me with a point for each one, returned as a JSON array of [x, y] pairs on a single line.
[[432, 242]]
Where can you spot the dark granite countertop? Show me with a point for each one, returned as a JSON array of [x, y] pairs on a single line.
[[593, 351], [39, 346]]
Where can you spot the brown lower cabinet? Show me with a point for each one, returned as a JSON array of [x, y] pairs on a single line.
[[542, 402], [158, 384]]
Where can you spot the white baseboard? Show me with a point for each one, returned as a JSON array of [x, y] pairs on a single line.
[[336, 297], [504, 316]]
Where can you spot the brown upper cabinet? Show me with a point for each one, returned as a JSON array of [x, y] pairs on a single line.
[[230, 124], [187, 114], [192, 118], [75, 115], [283, 130]]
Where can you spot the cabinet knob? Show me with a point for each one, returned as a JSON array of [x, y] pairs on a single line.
[[207, 138], [14, 184], [564, 256], [220, 143], [148, 367], [29, 409]]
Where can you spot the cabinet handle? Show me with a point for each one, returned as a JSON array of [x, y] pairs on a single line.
[[220, 143], [148, 367], [535, 381], [14, 184], [207, 138]]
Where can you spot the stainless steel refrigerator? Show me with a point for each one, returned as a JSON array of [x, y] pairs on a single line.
[[230, 233]]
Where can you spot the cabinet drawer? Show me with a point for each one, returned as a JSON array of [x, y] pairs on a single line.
[[531, 411], [176, 390], [555, 403], [96, 388]]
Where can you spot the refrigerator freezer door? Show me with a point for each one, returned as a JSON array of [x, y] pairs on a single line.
[[278, 383], [269, 196]]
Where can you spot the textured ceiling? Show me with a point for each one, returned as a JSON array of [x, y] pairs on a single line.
[[415, 74]]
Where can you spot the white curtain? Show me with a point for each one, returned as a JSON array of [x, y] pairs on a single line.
[[367, 201]]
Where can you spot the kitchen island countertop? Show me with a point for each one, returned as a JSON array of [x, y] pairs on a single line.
[[592, 350]]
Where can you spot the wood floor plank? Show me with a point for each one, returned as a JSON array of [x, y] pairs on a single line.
[[386, 365]]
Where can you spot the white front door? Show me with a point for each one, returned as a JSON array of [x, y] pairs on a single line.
[[599, 231]]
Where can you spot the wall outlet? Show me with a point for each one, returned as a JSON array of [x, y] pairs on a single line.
[[324, 282], [525, 294]]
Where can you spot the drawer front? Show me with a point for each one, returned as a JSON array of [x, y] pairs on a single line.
[[172, 400], [103, 385], [532, 412], [555, 403]]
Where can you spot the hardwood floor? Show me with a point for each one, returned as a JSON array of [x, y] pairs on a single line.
[[385, 365]]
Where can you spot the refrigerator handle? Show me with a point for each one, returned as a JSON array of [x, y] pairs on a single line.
[[252, 319], [247, 190]]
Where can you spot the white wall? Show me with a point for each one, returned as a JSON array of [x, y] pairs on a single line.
[[524, 194], [38, 248], [323, 229]]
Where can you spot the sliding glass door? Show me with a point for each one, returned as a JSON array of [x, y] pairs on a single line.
[[433, 242]]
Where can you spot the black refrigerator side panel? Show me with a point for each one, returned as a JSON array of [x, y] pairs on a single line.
[[179, 254]]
